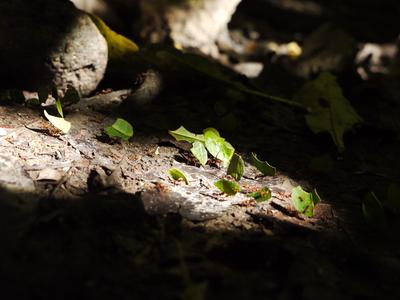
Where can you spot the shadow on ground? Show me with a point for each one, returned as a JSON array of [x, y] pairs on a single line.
[[107, 246]]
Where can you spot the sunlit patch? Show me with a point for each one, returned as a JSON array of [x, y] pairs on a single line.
[[291, 49], [375, 59]]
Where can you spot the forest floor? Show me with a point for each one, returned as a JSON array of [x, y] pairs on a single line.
[[85, 215], [102, 218]]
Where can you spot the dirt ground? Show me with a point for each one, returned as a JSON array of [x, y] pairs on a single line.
[[102, 218]]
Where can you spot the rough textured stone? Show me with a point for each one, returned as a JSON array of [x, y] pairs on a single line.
[[45, 41], [98, 7], [13, 178], [201, 23]]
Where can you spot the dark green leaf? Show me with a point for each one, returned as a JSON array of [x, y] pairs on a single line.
[[121, 129], [264, 167], [182, 134], [199, 151], [330, 110], [228, 187], [177, 175], [305, 202], [261, 195], [236, 167]]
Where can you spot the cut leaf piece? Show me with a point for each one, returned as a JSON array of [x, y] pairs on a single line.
[[264, 167], [330, 111], [261, 195], [217, 146], [228, 187], [59, 108], [200, 152], [182, 134], [57, 122], [211, 130], [236, 167], [120, 129], [305, 202], [373, 210], [177, 175]]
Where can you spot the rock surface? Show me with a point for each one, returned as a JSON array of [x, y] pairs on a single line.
[[13, 177], [201, 24], [50, 41]]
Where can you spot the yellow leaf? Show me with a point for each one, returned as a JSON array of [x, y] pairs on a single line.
[[120, 48], [59, 123]]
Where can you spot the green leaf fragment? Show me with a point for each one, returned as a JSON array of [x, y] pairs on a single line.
[[212, 131], [261, 195], [264, 167], [177, 175], [228, 187], [236, 167], [373, 210], [182, 134], [120, 129], [59, 108], [200, 152], [305, 202], [210, 141], [330, 111], [217, 146]]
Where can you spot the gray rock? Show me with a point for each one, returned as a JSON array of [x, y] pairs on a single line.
[[199, 24], [44, 41], [13, 178]]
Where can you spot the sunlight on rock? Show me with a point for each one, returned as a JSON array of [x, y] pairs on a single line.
[[375, 58], [249, 69]]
